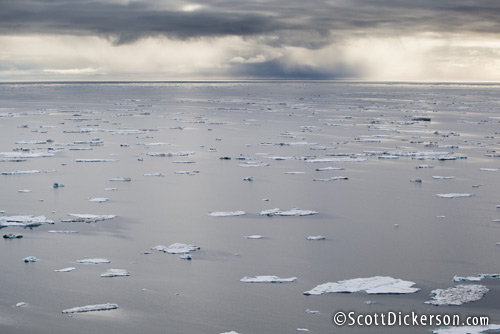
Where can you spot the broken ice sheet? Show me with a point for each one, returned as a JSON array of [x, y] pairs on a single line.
[[457, 295], [267, 279], [176, 248], [115, 273], [467, 329], [226, 213], [91, 308], [370, 285], [454, 195], [292, 212]]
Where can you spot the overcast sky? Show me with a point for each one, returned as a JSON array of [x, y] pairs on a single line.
[[443, 40]]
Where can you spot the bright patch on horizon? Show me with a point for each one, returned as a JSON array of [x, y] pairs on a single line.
[[192, 7]]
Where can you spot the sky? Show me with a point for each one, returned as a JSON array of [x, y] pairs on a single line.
[[115, 40]]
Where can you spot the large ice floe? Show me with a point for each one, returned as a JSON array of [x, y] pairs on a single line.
[[454, 195], [467, 329], [226, 213], [176, 248], [292, 212], [267, 279], [25, 221], [91, 308], [115, 273], [87, 218], [457, 295], [370, 285]]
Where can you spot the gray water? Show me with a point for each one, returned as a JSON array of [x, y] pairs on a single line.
[[165, 294]]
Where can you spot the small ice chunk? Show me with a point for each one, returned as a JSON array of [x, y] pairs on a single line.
[[91, 308], [120, 179], [292, 212], [65, 270], [424, 166], [155, 174], [115, 273], [99, 199], [21, 304], [468, 278], [26, 221], [457, 295], [489, 169], [95, 160], [111, 189], [267, 279], [467, 329], [24, 191], [329, 168], [294, 173], [438, 177], [370, 285], [454, 195], [316, 237], [254, 236], [249, 178], [93, 261], [321, 160], [335, 178], [176, 248], [311, 311], [186, 257], [226, 213], [60, 231], [30, 259]]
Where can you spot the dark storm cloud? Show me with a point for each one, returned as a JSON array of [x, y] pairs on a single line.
[[310, 24]]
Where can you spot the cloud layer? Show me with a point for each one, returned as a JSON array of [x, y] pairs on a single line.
[[323, 39]]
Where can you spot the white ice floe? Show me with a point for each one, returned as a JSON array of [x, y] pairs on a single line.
[[30, 259], [88, 218], [437, 177], [321, 160], [254, 164], [292, 212], [120, 179], [267, 279], [477, 278], [91, 308], [63, 232], [467, 329], [23, 155], [176, 248], [21, 304], [170, 154], [26, 221], [254, 236], [21, 172], [315, 237], [93, 261], [370, 285], [424, 166], [329, 168], [115, 273], [154, 174], [312, 311], [231, 332], [95, 160], [99, 199], [489, 169], [186, 172], [457, 295], [226, 213], [294, 173], [454, 195], [24, 191], [335, 178], [65, 270]]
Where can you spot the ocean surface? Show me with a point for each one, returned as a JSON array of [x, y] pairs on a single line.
[[393, 148]]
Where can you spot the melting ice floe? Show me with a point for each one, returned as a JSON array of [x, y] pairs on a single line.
[[176, 248], [292, 212], [457, 295], [25, 221], [226, 213], [87, 218], [370, 285], [93, 261], [454, 195], [115, 273], [267, 279], [65, 270], [91, 308], [467, 329]]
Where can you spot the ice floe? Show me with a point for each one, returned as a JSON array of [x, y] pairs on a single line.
[[12, 236], [457, 295], [95, 160], [170, 154], [267, 279], [93, 261], [99, 199], [62, 232], [91, 308], [115, 273], [370, 285], [437, 177], [315, 237], [25, 221], [226, 213], [329, 168], [87, 218], [467, 329], [30, 259], [292, 212], [489, 169], [21, 172], [254, 236], [176, 248], [477, 278], [454, 195], [65, 270], [21, 304], [335, 178], [324, 160], [120, 179], [154, 174]]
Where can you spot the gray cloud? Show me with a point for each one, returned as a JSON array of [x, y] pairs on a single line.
[[310, 24]]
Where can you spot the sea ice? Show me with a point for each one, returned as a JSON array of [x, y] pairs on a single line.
[[21, 172], [12, 236], [467, 278], [120, 179], [254, 236], [185, 257], [169, 154], [335, 178], [99, 199], [267, 279], [30, 259], [91, 308], [93, 261], [87, 218], [467, 329], [21, 304], [457, 295], [316, 237], [115, 273], [489, 169], [154, 174], [453, 195], [321, 160], [292, 212], [370, 285], [65, 270], [63, 232], [329, 168], [226, 213], [26, 221], [176, 248], [443, 177], [95, 160]]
